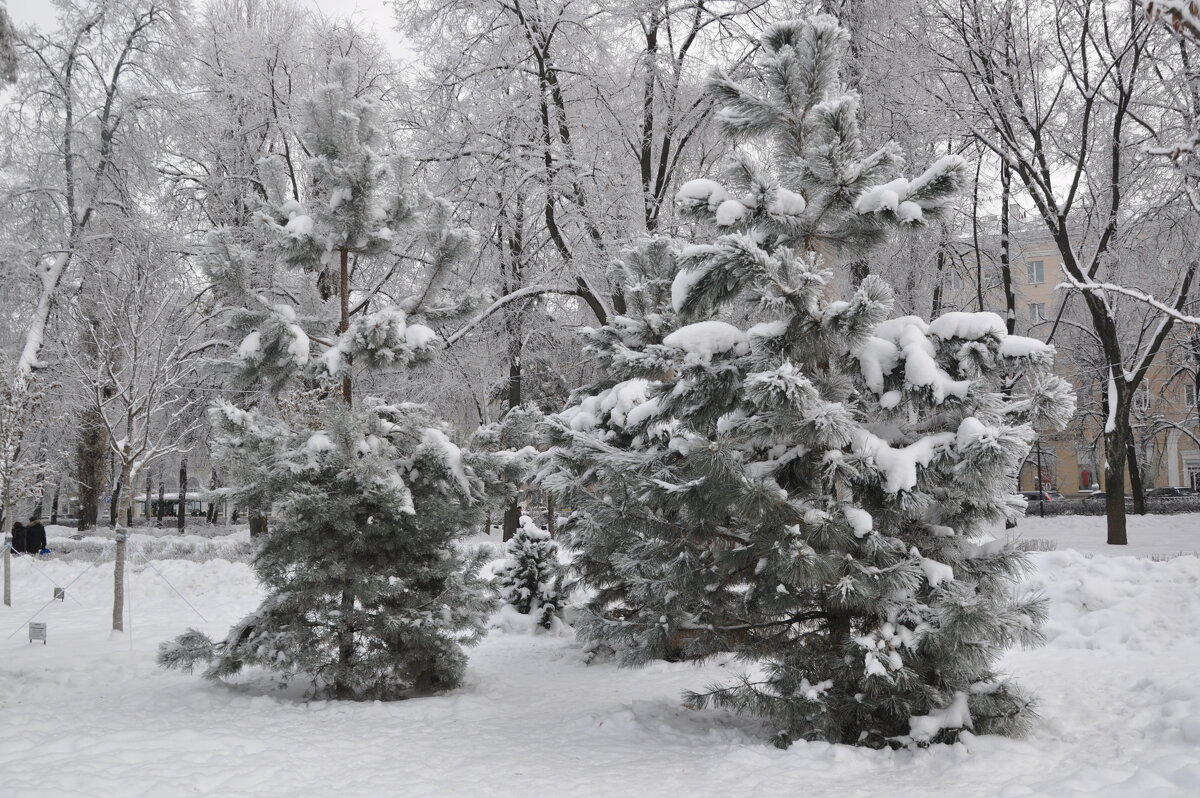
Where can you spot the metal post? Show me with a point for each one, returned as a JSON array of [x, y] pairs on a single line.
[[7, 571]]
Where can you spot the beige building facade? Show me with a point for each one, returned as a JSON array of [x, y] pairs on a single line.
[[1166, 415]]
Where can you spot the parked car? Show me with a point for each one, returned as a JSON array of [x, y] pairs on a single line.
[[1096, 494], [1170, 493], [1034, 495]]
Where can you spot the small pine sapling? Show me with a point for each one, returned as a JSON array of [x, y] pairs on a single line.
[[367, 504], [529, 580], [368, 594]]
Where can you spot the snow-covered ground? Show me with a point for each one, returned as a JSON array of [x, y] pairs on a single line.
[[1149, 535], [89, 713]]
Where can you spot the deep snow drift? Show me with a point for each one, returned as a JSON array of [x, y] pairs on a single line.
[[89, 714]]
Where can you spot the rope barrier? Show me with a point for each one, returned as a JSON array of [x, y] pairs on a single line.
[[38, 570], [44, 606], [131, 552], [167, 582]]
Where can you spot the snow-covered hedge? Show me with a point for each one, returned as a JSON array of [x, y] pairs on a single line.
[[1190, 504]]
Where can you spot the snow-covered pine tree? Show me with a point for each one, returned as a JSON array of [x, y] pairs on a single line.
[[529, 579], [292, 314], [806, 184], [804, 481], [367, 504], [367, 595]]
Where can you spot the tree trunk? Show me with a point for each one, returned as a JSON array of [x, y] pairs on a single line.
[[113, 501], [345, 632], [1010, 298], [1114, 487], [118, 614], [180, 521], [1135, 478], [975, 236], [7, 570], [89, 467], [840, 630], [258, 523], [41, 503], [149, 504], [92, 444], [162, 502], [54, 504], [7, 538], [551, 522], [344, 299], [345, 639], [513, 513], [512, 518]]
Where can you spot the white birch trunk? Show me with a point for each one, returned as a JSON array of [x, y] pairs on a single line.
[[121, 533]]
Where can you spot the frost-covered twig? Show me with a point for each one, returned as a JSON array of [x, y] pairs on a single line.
[[1174, 312]]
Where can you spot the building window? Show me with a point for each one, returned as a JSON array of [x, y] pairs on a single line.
[[1189, 394], [1035, 270], [1037, 312]]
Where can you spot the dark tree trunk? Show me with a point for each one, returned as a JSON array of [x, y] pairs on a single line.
[[513, 280], [1010, 298], [54, 503], [89, 467], [512, 513], [1135, 479], [1114, 486], [41, 505], [162, 502], [112, 505], [181, 516], [940, 275], [975, 236], [258, 523], [512, 518], [149, 504], [345, 635], [551, 521], [344, 324]]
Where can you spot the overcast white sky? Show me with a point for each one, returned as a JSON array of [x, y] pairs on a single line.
[[376, 13]]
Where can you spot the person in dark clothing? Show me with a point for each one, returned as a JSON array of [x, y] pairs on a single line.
[[35, 535], [18, 538]]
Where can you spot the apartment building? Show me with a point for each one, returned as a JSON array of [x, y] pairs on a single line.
[[1166, 416]]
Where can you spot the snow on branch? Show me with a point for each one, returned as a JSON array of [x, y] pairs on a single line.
[[523, 293], [1173, 312]]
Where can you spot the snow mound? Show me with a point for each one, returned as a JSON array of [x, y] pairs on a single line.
[[968, 326], [702, 191], [707, 338]]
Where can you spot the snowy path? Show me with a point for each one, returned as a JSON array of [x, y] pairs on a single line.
[[87, 716]]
